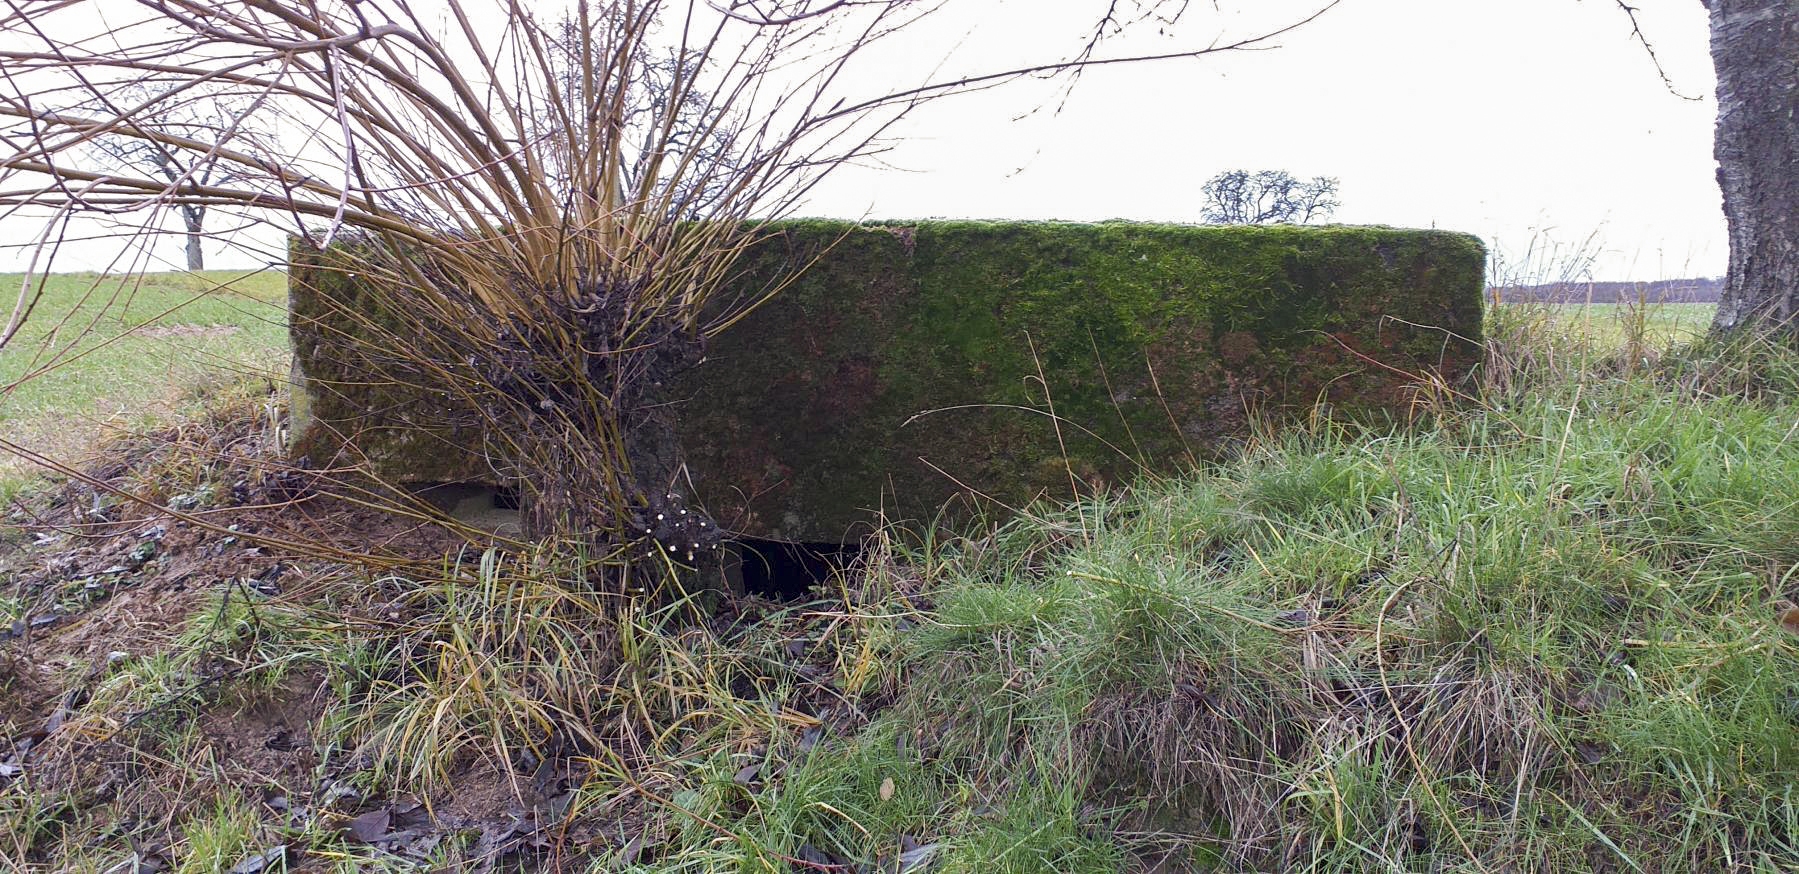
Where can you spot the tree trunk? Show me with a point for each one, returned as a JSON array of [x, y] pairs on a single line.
[[194, 217], [1755, 48]]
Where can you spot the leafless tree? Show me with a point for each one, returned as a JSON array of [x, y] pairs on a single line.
[[200, 115], [650, 92], [1239, 197]]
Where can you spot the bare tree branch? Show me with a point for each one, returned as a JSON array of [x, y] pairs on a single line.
[[1636, 33]]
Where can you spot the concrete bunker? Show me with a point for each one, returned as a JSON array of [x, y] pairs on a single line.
[[916, 362]]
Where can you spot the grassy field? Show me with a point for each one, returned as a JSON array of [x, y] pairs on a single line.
[[102, 354], [1611, 326]]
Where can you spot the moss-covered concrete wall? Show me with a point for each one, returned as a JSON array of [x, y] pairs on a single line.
[[340, 412], [914, 362]]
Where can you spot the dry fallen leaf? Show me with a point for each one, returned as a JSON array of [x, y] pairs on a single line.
[[1789, 618], [632, 850], [263, 860], [916, 858], [372, 826]]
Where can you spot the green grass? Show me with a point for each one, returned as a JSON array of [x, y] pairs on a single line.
[[220, 839], [1539, 631], [1543, 637], [1611, 326], [101, 354]]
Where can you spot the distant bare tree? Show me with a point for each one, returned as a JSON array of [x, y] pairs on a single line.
[[1239, 197], [692, 128], [206, 117]]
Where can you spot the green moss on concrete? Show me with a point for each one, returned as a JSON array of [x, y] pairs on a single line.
[[907, 359], [348, 408]]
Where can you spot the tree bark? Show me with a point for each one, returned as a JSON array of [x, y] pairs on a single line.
[[1755, 48], [194, 218]]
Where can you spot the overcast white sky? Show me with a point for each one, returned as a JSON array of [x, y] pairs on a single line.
[[1503, 118]]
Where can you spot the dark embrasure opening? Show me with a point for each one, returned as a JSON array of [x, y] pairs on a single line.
[[788, 571]]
